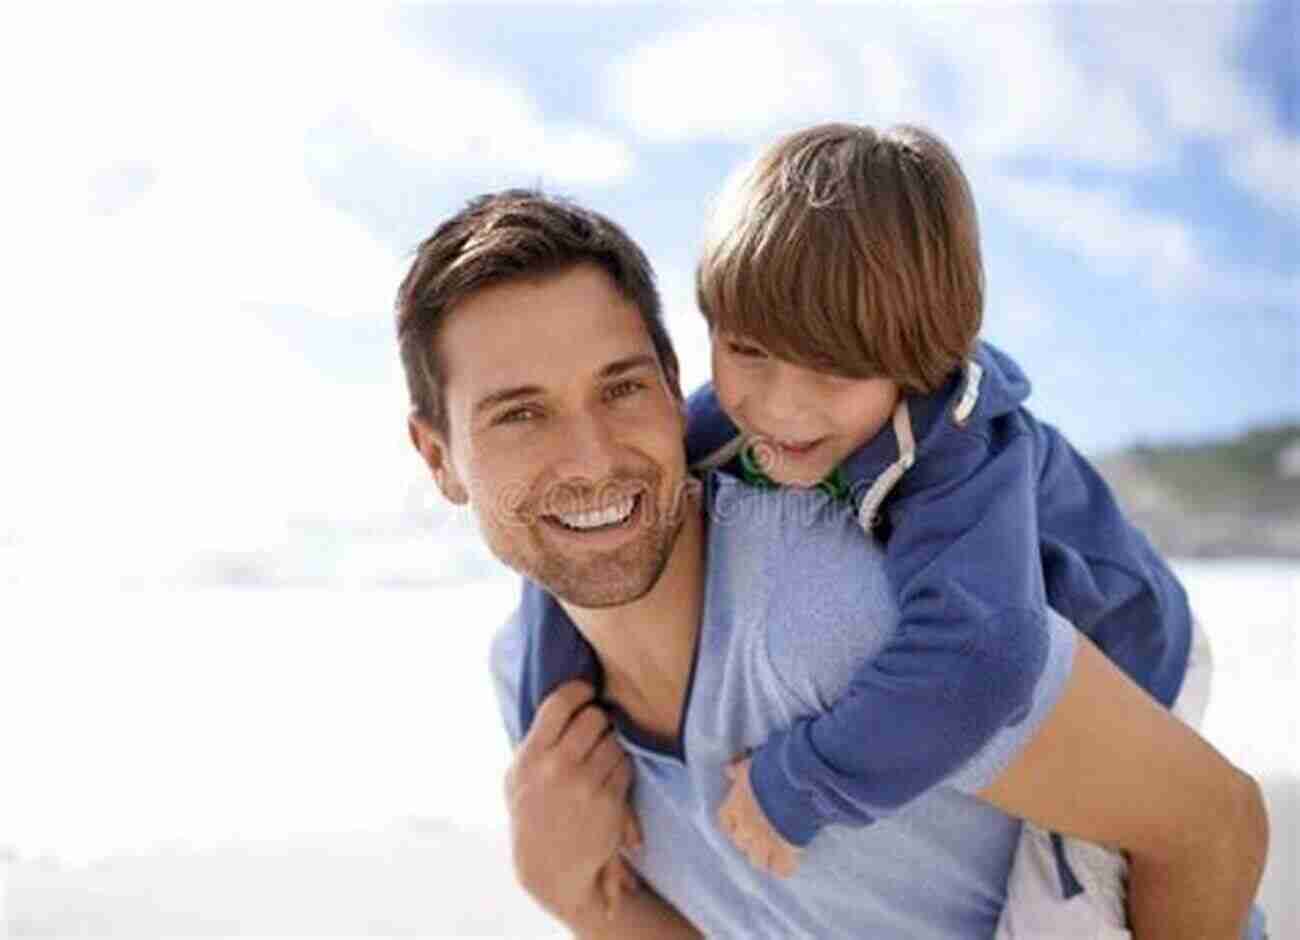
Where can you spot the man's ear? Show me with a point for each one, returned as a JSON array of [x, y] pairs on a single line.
[[432, 446]]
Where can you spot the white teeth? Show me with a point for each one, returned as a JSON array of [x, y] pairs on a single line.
[[610, 515], [790, 442]]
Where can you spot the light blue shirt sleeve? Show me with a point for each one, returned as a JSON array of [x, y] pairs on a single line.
[[505, 662]]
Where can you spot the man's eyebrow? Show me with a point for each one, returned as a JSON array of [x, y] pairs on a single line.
[[615, 368], [619, 366]]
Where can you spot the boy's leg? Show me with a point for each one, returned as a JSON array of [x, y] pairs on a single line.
[[1064, 887], [1061, 887]]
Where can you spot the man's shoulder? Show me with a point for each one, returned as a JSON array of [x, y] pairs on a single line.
[[795, 568], [800, 530], [508, 641], [505, 662]]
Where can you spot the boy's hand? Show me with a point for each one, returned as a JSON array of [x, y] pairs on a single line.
[[743, 821]]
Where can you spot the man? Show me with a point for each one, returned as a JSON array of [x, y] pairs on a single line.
[[545, 395]]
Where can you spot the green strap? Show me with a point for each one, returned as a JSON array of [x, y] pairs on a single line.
[[834, 485]]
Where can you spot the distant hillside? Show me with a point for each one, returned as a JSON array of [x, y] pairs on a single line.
[[1233, 497]]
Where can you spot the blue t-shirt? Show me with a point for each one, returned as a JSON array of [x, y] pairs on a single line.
[[791, 607]]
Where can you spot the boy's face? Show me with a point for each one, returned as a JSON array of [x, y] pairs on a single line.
[[805, 422]]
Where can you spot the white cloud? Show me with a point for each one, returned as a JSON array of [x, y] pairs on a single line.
[[1016, 90], [584, 155], [1103, 227], [1268, 165], [1202, 91], [894, 91], [152, 79], [1118, 96], [155, 410], [998, 80], [1250, 289], [1195, 81], [726, 80], [1001, 83], [448, 114], [206, 105]]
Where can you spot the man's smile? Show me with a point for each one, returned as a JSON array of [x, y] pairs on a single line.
[[614, 515]]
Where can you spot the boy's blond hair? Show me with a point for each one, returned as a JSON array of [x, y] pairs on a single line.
[[850, 251]]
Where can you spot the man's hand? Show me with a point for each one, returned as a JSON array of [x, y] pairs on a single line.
[[567, 793], [742, 819], [616, 878]]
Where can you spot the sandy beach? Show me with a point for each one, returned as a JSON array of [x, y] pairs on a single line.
[[328, 762]]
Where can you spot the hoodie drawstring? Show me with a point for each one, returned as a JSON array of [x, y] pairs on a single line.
[[867, 512]]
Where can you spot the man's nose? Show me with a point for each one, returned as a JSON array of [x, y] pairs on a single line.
[[591, 448]]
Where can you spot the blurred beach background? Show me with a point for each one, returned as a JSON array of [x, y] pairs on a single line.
[[243, 685]]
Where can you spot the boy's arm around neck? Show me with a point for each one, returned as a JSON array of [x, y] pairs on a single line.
[[963, 664]]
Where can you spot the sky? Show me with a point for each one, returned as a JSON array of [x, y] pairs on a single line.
[[208, 210]]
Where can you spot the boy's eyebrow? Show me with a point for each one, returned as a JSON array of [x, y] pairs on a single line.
[[515, 392]]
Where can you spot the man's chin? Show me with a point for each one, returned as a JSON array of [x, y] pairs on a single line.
[[607, 570], [588, 600], [603, 579], [603, 584]]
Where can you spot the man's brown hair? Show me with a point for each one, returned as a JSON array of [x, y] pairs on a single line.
[[500, 237], [850, 251]]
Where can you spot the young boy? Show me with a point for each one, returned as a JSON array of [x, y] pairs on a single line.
[[843, 287]]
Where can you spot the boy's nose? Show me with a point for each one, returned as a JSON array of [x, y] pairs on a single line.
[[782, 400]]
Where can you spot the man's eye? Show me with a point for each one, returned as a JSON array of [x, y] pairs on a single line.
[[516, 415], [625, 388]]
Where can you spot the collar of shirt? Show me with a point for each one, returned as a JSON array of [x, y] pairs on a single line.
[[835, 484]]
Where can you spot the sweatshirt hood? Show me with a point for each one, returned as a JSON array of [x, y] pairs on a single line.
[[988, 386], [1003, 387]]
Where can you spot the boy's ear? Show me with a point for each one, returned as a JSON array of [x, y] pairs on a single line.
[[433, 449]]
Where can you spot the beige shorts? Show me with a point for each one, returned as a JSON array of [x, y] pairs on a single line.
[[1068, 888]]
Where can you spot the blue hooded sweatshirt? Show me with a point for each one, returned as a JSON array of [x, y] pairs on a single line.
[[987, 517]]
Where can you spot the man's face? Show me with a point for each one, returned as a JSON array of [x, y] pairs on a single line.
[[563, 435]]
